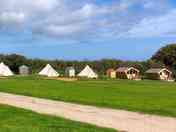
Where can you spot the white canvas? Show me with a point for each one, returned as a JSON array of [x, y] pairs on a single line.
[[88, 72], [4, 70], [49, 71]]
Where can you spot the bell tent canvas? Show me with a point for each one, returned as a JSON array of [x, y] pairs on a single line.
[[5, 70], [87, 72], [49, 71]]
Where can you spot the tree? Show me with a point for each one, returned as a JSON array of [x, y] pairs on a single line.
[[166, 55]]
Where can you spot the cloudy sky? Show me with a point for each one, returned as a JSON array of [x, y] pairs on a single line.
[[86, 29]]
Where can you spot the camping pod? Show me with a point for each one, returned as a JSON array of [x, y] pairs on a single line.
[[70, 72], [88, 73], [49, 71], [159, 74], [24, 70], [130, 73], [111, 73], [5, 70]]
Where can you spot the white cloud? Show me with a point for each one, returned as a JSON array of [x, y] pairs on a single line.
[[44, 4], [164, 25], [82, 19], [25, 5], [60, 30], [87, 10], [12, 17], [74, 22]]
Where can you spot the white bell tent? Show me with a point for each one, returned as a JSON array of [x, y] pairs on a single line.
[[49, 71], [5, 70], [88, 72]]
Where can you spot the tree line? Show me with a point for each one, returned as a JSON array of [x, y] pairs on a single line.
[[164, 57]]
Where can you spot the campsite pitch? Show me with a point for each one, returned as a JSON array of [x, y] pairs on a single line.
[[153, 97], [19, 120]]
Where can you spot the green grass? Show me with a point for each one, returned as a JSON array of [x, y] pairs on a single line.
[[19, 120], [153, 97]]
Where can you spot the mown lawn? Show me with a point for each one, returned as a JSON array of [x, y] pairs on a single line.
[[18, 120], [154, 97]]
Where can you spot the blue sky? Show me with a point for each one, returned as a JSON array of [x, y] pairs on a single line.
[[86, 29]]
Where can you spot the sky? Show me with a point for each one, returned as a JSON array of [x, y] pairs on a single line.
[[86, 29]]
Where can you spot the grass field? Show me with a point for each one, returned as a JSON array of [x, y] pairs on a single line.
[[18, 120], [154, 97]]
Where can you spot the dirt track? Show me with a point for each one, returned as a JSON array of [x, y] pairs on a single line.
[[117, 119]]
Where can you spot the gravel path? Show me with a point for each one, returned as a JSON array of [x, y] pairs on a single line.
[[117, 119]]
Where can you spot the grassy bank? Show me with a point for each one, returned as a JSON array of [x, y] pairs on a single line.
[[18, 120]]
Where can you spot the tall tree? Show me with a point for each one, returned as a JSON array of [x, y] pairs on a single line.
[[166, 55]]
